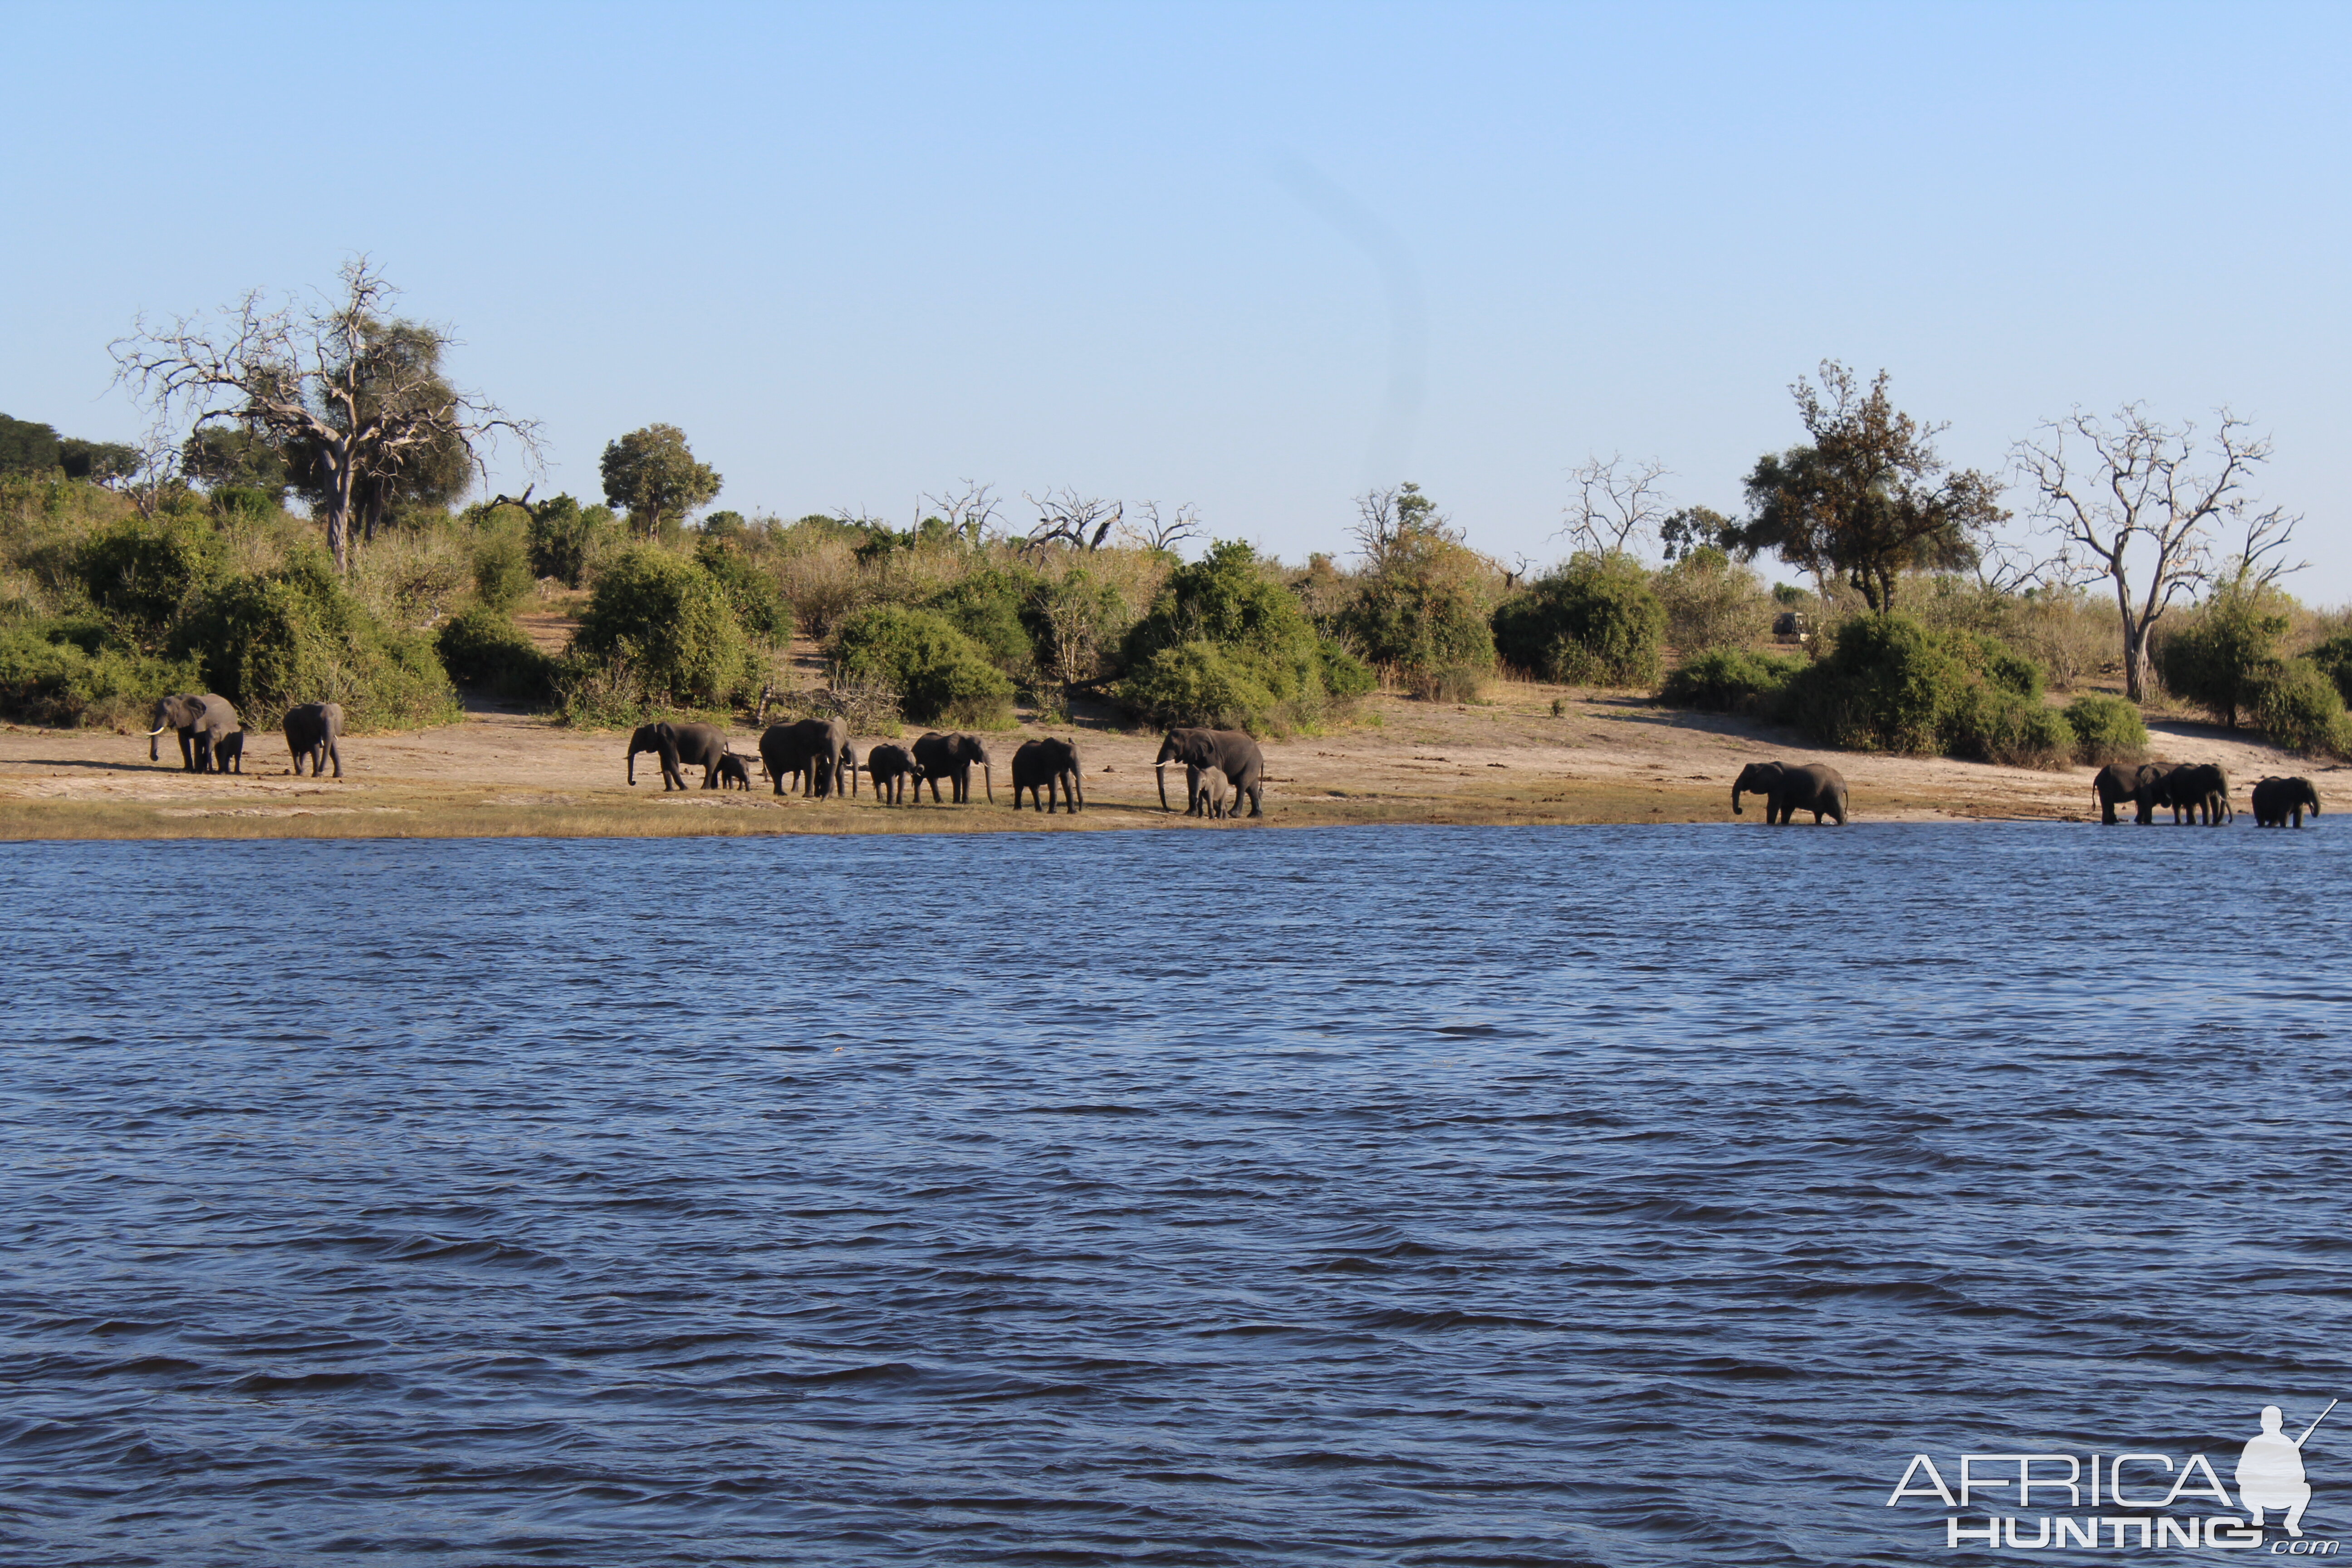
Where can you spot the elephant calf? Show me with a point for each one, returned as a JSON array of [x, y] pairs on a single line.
[[1788, 789], [732, 771], [228, 752], [2277, 799], [889, 768], [1207, 786]]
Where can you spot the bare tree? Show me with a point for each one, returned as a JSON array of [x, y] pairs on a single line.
[[1066, 517], [156, 469], [1618, 506], [2139, 496], [1155, 533], [326, 377], [969, 511]]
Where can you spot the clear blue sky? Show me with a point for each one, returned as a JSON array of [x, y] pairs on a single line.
[[1251, 257]]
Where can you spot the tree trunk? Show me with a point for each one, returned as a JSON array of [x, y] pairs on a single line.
[[339, 514], [2135, 660]]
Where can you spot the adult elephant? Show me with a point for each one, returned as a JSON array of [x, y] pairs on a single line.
[[679, 745], [314, 731], [2276, 799], [815, 750], [953, 756], [2198, 792], [203, 722], [1788, 789], [888, 769], [2142, 786], [1228, 752], [1040, 766]]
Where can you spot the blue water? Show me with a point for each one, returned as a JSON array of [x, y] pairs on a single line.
[[1643, 1195]]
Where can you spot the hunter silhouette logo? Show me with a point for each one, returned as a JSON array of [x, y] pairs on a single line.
[[2140, 1499]]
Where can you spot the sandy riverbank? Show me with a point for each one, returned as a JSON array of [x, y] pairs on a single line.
[[1603, 759]]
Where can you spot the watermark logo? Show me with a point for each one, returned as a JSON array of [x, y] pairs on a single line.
[[2125, 1500]]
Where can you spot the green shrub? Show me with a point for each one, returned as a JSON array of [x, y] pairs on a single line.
[[2334, 658], [565, 539], [752, 593], [2106, 729], [2219, 656], [1417, 622], [1887, 685], [2300, 709], [1593, 622], [1712, 603], [941, 676], [1999, 726], [662, 629], [1345, 676], [482, 646], [1200, 683], [295, 635], [140, 571], [502, 574], [991, 607], [1452, 683], [1729, 680], [59, 673]]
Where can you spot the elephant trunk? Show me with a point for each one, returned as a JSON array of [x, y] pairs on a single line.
[[1159, 771], [1735, 800]]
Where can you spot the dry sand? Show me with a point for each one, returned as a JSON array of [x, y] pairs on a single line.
[[1604, 758]]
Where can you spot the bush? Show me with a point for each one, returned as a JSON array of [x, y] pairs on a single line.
[[1711, 603], [2300, 709], [1199, 683], [2219, 656], [990, 607], [565, 539], [1418, 621], [140, 571], [1452, 683], [2000, 726], [2333, 659], [294, 635], [941, 676], [2106, 729], [1593, 622], [61, 674], [1729, 680], [752, 593], [482, 646], [1887, 685], [661, 629], [502, 572]]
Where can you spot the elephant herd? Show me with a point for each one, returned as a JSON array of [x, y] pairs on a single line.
[[212, 739], [2198, 793], [817, 758]]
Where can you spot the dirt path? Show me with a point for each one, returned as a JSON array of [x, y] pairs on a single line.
[[1602, 759]]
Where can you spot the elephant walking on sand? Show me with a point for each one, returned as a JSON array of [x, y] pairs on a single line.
[[1789, 789], [313, 732], [203, 722], [815, 751], [953, 756], [889, 768], [1229, 752], [1041, 765], [2276, 799], [679, 746]]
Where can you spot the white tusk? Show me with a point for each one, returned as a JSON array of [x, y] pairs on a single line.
[[159, 729]]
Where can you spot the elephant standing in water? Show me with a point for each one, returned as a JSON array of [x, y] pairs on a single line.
[[2197, 787], [1040, 766], [1229, 751], [678, 745], [2142, 785], [201, 722], [313, 732], [953, 756], [1789, 789], [889, 768], [815, 750], [2277, 799]]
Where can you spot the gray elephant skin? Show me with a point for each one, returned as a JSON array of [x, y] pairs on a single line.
[[1207, 785], [953, 756], [1039, 766], [2276, 800], [1229, 753], [314, 734], [889, 768], [1788, 788], [2197, 791], [201, 721], [2141, 783], [678, 746], [814, 751], [732, 771]]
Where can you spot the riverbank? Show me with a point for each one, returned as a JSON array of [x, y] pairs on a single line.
[[1601, 758]]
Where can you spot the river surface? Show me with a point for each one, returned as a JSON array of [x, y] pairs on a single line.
[[1637, 1196]]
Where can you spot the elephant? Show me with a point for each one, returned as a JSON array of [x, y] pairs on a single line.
[[201, 721], [1229, 751], [228, 752], [953, 756], [2120, 782], [679, 745], [1039, 765], [313, 733], [732, 771], [2277, 799], [889, 768], [815, 750], [2194, 788], [1208, 786], [1789, 789]]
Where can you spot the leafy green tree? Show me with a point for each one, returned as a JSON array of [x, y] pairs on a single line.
[[2222, 655], [758, 603], [1420, 605], [663, 625], [941, 675], [1869, 498], [564, 537], [232, 456], [1595, 621], [652, 475], [140, 570], [99, 462], [26, 447], [1255, 626]]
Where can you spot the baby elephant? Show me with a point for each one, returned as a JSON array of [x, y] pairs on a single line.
[[890, 768], [1210, 785], [2276, 800], [228, 754], [732, 771]]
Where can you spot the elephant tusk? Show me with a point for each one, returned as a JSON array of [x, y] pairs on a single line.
[[157, 730]]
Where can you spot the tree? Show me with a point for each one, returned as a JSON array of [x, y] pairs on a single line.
[[431, 473], [652, 475], [1869, 498], [1618, 505], [2136, 496], [970, 511], [1066, 517], [339, 380]]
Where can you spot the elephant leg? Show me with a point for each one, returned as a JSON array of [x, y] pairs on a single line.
[[336, 753]]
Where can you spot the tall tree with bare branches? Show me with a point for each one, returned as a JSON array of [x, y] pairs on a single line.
[[340, 378], [2138, 497], [1619, 505], [1066, 517]]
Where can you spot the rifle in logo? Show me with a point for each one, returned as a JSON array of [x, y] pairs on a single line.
[[2270, 1470]]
